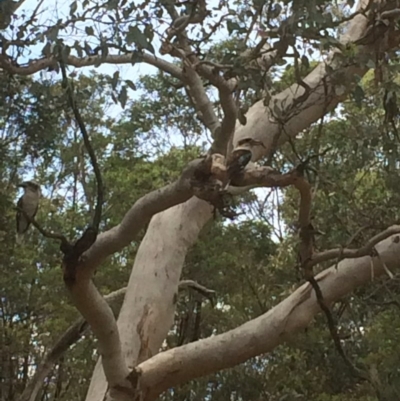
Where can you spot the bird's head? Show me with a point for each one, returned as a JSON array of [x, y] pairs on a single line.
[[30, 185]]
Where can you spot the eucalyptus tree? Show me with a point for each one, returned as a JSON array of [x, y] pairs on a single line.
[[247, 123]]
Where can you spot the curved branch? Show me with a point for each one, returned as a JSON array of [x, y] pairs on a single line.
[[263, 334], [366, 250], [306, 250], [129, 58], [139, 215], [228, 104], [45, 233], [89, 148], [84, 294], [323, 97], [75, 332], [64, 342]]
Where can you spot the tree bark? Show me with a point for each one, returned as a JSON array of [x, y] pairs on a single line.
[[148, 309], [263, 334]]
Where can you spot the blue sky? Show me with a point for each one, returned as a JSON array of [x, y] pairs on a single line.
[[59, 9]]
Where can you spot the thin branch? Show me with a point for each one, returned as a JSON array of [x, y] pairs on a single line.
[[204, 291], [88, 145], [40, 64], [200, 99], [344, 253], [45, 233], [306, 252]]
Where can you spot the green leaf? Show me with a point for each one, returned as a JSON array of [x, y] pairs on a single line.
[[115, 100], [73, 7], [46, 51], [104, 50], [232, 26], [89, 30], [78, 49], [130, 84], [65, 52], [358, 95], [88, 49], [370, 63], [114, 79], [123, 96], [52, 33], [137, 37]]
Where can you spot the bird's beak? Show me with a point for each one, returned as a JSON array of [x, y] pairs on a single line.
[[22, 185]]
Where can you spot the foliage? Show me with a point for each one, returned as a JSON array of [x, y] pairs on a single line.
[[146, 146]]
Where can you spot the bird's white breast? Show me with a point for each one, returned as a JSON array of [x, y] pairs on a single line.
[[30, 202]]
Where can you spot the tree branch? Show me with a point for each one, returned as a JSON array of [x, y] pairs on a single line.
[[322, 83], [344, 253], [45, 233], [139, 215], [201, 102], [75, 332], [89, 148], [88, 300], [266, 332], [129, 58], [204, 291], [229, 107], [193, 215], [306, 253]]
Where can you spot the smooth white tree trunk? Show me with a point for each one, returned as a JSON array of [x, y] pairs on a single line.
[[148, 310]]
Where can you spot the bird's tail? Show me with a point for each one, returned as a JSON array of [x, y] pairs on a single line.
[[19, 239]]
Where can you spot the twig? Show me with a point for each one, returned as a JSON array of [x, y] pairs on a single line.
[[333, 331], [88, 145], [356, 234], [42, 231], [206, 292]]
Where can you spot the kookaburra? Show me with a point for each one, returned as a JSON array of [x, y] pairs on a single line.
[[29, 203], [240, 158]]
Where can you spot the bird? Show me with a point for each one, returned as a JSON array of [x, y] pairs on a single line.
[[237, 162], [29, 203], [240, 157]]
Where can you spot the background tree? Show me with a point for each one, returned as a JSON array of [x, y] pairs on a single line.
[[162, 164]]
